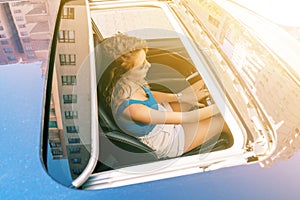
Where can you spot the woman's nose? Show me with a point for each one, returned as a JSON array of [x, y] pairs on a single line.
[[147, 64]]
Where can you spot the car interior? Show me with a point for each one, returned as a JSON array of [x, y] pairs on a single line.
[[171, 71]]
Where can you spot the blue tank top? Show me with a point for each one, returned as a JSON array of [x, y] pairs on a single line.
[[136, 128]]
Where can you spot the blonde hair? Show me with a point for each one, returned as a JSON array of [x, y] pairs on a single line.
[[121, 49]]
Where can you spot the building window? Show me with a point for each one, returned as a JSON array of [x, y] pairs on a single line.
[[26, 40], [11, 58], [7, 50], [2, 36], [66, 36], [76, 160], [77, 171], [68, 80], [74, 150], [213, 21], [3, 42], [1, 28], [23, 33], [28, 48], [31, 55], [56, 152], [19, 18], [70, 98], [68, 13], [55, 144], [72, 129], [67, 59], [21, 25], [52, 111], [52, 124], [71, 114], [73, 140], [17, 11]]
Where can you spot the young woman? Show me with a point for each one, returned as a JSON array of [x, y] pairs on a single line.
[[163, 121]]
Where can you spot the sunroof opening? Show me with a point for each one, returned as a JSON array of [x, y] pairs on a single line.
[[171, 72], [83, 135]]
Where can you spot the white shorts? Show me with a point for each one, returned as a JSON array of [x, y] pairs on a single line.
[[166, 139]]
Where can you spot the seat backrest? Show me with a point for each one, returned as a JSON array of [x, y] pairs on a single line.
[[111, 129], [122, 148], [106, 121]]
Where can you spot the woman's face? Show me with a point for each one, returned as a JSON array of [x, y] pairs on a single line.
[[140, 67]]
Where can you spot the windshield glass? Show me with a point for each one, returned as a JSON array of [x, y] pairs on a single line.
[[284, 13], [281, 12]]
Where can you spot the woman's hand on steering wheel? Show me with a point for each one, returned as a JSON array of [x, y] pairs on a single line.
[[195, 93]]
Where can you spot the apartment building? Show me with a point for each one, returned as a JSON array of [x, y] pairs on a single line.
[[71, 85]]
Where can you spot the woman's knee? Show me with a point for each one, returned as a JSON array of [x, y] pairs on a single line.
[[197, 133]]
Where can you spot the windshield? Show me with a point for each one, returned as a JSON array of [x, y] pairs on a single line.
[[284, 13], [281, 12]]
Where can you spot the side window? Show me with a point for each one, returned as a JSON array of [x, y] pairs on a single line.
[[69, 119]]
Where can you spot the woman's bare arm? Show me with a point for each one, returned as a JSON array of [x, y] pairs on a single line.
[[191, 94], [144, 114], [164, 97]]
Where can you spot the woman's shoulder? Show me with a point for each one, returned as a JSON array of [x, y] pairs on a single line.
[[120, 105]]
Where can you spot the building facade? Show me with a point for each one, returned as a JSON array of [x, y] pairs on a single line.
[[71, 88], [25, 31]]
